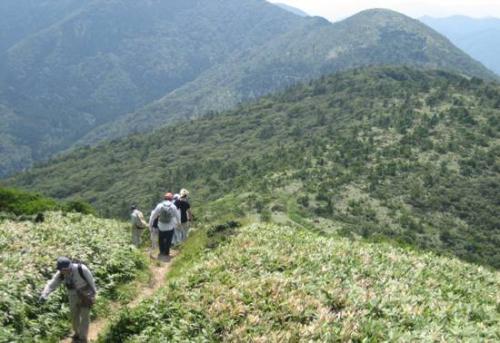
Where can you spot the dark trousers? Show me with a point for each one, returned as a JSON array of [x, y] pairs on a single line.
[[164, 241]]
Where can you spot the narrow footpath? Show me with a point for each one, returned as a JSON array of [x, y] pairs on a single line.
[[158, 270]]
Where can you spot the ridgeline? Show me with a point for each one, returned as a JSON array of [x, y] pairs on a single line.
[[385, 153]]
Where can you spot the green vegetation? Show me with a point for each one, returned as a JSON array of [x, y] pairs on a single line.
[[71, 66], [312, 49], [281, 284], [73, 71], [389, 153], [28, 252], [17, 202]]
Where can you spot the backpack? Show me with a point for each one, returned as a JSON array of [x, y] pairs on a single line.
[[136, 221], [165, 214], [86, 294]]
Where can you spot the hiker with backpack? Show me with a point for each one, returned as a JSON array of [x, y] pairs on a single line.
[[81, 294], [168, 219], [186, 216], [138, 225]]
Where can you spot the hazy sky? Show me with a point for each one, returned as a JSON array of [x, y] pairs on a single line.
[[339, 9]]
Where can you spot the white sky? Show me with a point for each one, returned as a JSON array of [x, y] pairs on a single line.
[[339, 9]]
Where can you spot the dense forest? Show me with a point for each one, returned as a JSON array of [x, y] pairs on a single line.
[[85, 71], [384, 153]]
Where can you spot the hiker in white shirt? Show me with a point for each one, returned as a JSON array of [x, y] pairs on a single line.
[[81, 293], [168, 219]]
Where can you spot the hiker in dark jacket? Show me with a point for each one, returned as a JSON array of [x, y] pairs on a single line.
[[81, 293], [186, 216], [168, 219]]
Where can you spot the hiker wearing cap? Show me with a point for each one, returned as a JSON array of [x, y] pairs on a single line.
[[81, 293], [168, 219], [186, 216], [138, 225]]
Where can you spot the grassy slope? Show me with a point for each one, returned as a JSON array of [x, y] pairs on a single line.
[[277, 283], [388, 152], [27, 260]]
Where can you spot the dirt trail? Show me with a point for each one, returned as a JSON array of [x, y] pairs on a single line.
[[159, 270]]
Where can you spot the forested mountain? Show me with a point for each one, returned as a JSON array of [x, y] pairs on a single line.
[[108, 58], [22, 18], [89, 64], [387, 152], [480, 38], [318, 47]]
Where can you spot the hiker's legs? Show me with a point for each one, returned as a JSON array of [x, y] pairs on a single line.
[[154, 240], [84, 323], [162, 235], [177, 235], [74, 313], [168, 241], [184, 227], [136, 236]]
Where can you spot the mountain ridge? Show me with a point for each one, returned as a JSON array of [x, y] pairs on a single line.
[[292, 9], [478, 37], [76, 84], [325, 58], [384, 152]]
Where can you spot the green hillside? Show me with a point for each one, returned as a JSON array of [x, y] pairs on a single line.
[[22, 18], [28, 252], [308, 51], [283, 284], [103, 69], [102, 59], [18, 203], [389, 153]]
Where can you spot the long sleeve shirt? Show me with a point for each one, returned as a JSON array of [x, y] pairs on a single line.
[[137, 219], [74, 277], [176, 220]]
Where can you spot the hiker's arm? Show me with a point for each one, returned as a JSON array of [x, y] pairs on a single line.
[[142, 220], [189, 214], [153, 216], [89, 278], [52, 285]]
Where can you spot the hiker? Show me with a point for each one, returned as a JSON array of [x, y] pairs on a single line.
[[138, 225], [81, 293], [154, 232], [177, 239], [186, 215], [168, 219]]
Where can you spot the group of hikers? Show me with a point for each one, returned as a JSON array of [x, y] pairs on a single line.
[[168, 225]]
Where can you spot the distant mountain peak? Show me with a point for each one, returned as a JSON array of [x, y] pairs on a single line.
[[292, 9]]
